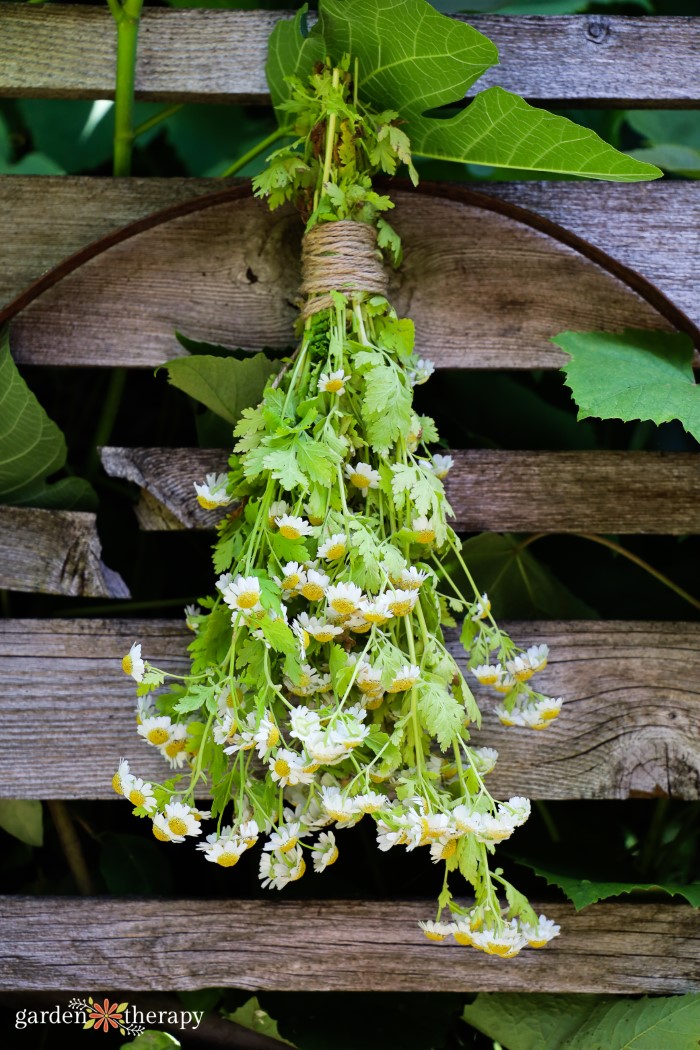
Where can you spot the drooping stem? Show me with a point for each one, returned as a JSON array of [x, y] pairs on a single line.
[[70, 844], [127, 16], [254, 151]]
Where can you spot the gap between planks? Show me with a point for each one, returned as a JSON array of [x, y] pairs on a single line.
[[332, 945], [219, 56], [495, 491], [630, 726]]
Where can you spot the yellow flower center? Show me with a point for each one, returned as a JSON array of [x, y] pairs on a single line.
[[127, 664], [448, 850], [290, 532], [208, 504], [549, 713], [313, 520], [401, 608], [489, 679], [324, 635], [537, 944], [289, 583], [282, 768], [137, 798], [227, 860], [157, 736], [344, 606], [332, 856], [272, 736], [300, 869], [540, 725], [117, 784], [333, 385], [361, 628], [375, 617], [247, 599], [312, 767], [377, 778], [504, 950], [359, 480], [462, 937], [312, 591], [425, 536], [483, 610], [288, 845], [175, 747], [400, 685], [177, 825], [372, 704], [335, 552], [524, 674], [160, 834], [433, 935]]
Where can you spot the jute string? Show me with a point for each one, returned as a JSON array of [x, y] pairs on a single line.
[[342, 257]]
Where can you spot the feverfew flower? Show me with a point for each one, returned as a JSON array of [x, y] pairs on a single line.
[[506, 942], [287, 768], [422, 371], [293, 527], [175, 748], [481, 608], [314, 585], [371, 802], [122, 779], [325, 851], [344, 598], [266, 736], [285, 838], [437, 931], [376, 611], [537, 657], [243, 594], [441, 465], [278, 869], [175, 823], [333, 382], [140, 793], [277, 510], [334, 547], [402, 602], [411, 579], [538, 935], [304, 722], [405, 679], [213, 494], [318, 629], [224, 849], [156, 729], [362, 476], [133, 664], [292, 578], [424, 529], [339, 807], [488, 674]]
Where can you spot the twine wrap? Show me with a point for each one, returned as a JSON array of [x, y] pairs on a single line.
[[340, 257]]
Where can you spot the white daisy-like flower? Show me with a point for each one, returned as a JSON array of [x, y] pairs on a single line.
[[338, 806], [437, 931], [344, 598], [481, 608], [388, 836], [402, 602], [133, 664], [225, 849], [318, 629], [519, 668], [266, 736], [441, 465], [193, 615], [370, 802], [488, 674], [213, 494], [369, 679], [462, 932], [506, 942], [325, 851], [177, 821], [315, 585], [325, 748], [277, 510], [534, 716], [421, 372], [304, 722], [404, 679], [484, 759], [292, 578], [285, 838], [312, 514], [175, 749], [350, 733], [122, 779], [278, 869], [334, 547], [292, 527], [413, 578], [541, 933], [424, 529], [248, 833], [443, 849], [287, 768], [376, 610], [243, 594], [333, 382], [155, 730], [537, 656], [362, 476], [140, 793]]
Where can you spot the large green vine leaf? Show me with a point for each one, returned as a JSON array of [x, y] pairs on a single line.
[[32, 447], [413, 59], [633, 375], [584, 892], [226, 385], [587, 1022]]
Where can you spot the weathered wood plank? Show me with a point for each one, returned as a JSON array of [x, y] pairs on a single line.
[[624, 492], [69, 943], [630, 726], [226, 270], [219, 56], [54, 552]]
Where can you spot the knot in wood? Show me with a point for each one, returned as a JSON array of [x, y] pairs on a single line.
[[597, 30], [340, 257]]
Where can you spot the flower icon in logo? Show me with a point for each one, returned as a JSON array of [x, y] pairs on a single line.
[[108, 1015]]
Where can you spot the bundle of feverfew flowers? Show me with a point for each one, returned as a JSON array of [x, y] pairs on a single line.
[[322, 691]]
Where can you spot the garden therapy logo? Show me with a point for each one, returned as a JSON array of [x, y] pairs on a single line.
[[106, 1016]]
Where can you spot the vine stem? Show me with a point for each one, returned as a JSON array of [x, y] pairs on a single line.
[[70, 844], [611, 545], [127, 16], [254, 151]]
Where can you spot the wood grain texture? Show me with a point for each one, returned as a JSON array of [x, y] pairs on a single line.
[[618, 492], [272, 945], [229, 273], [219, 56], [54, 552], [630, 726]]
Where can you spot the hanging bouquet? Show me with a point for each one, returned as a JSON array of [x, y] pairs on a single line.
[[322, 691]]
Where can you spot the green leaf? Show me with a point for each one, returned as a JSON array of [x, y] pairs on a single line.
[[583, 892], [681, 160], [151, 1040], [635, 375], [663, 126], [440, 713], [226, 385], [516, 582], [32, 447], [587, 1022], [23, 819], [413, 59], [279, 635], [252, 1016], [291, 53]]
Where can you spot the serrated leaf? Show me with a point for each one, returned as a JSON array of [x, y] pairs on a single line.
[[226, 385], [24, 819], [440, 713], [251, 1015], [386, 407], [587, 1022], [584, 892], [633, 375], [279, 635], [32, 447], [413, 59]]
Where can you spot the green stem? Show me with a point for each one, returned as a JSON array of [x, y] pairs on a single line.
[[127, 16], [70, 844], [108, 414], [252, 153], [157, 119]]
